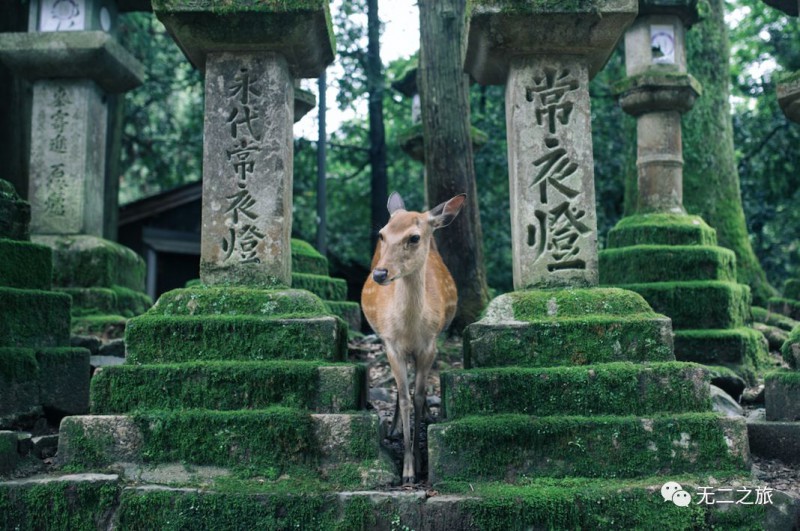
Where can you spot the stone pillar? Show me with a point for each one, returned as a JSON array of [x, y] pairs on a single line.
[[658, 90]]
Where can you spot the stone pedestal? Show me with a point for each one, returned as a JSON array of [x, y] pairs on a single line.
[[73, 73], [671, 258]]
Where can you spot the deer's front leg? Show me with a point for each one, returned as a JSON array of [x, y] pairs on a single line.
[[423, 363], [400, 373]]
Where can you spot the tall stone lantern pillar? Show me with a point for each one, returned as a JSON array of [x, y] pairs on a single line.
[[75, 63], [670, 257]]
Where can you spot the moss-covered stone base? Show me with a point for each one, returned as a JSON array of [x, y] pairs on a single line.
[[791, 348], [666, 263], [33, 318], [490, 447], [350, 312], [775, 440], [661, 229], [763, 315], [541, 328], [306, 259], [19, 383], [89, 502], [323, 286], [229, 386], [604, 389], [64, 379], [88, 261], [25, 265], [269, 442], [114, 300], [743, 349], [698, 304], [106, 326], [782, 396], [788, 307]]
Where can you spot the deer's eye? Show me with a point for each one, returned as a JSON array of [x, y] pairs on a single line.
[[414, 239]]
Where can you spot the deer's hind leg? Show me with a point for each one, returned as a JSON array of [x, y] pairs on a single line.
[[424, 362], [400, 373]]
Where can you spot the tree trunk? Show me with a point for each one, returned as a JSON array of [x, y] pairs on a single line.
[[711, 179], [377, 133], [449, 168], [322, 139]]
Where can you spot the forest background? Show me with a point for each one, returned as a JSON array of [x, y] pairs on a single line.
[[162, 139]]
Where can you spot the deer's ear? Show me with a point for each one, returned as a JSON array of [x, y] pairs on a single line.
[[444, 214], [395, 203]]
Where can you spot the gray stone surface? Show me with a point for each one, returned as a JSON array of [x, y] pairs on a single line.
[[642, 41], [782, 399], [789, 99], [775, 440], [299, 31], [67, 170], [551, 173], [91, 55], [247, 170], [64, 379], [723, 403]]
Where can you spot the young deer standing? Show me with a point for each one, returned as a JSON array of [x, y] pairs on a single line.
[[409, 298]]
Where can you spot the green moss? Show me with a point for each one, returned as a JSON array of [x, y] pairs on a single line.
[[661, 229], [157, 338], [742, 349], [788, 307], [663, 263], [88, 450], [25, 265], [227, 386], [762, 315], [658, 76], [513, 447], [579, 341], [325, 287], [791, 349], [67, 505], [115, 300], [306, 259], [350, 312], [789, 379], [18, 365], [234, 301], [33, 318], [109, 326], [559, 304], [698, 304], [605, 389], [15, 214]]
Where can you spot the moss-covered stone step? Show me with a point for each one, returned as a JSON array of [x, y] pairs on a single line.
[[791, 348], [743, 348], [776, 319], [235, 301], [153, 338], [25, 265], [88, 261], [33, 318], [349, 311], [115, 300], [106, 326], [775, 440], [104, 501], [323, 286], [661, 229], [782, 395], [698, 304], [19, 383], [306, 259], [603, 389], [230, 385], [512, 447], [269, 442], [665, 263], [788, 307]]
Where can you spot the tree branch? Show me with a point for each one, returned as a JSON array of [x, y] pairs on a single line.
[[761, 145]]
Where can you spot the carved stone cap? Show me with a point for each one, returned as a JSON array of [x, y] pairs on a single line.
[[299, 30], [304, 101], [658, 91], [686, 10], [94, 55], [789, 97], [502, 29]]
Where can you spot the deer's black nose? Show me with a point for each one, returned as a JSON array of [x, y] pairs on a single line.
[[379, 275]]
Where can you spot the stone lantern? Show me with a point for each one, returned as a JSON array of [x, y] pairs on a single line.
[[72, 15]]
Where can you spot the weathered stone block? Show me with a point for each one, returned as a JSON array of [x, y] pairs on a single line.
[[19, 383], [782, 396], [775, 440], [503, 29], [658, 91], [509, 447], [88, 261], [775, 319], [25, 265], [323, 286], [275, 441], [603, 389], [114, 300], [232, 301], [349, 311], [300, 31], [229, 386], [9, 457], [698, 304], [161, 339], [567, 327], [64, 379], [742, 349], [92, 55], [791, 348], [33, 318], [664, 263], [306, 259], [788, 307], [661, 229], [789, 97], [15, 214]]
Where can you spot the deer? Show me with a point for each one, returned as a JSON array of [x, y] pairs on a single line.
[[409, 298]]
